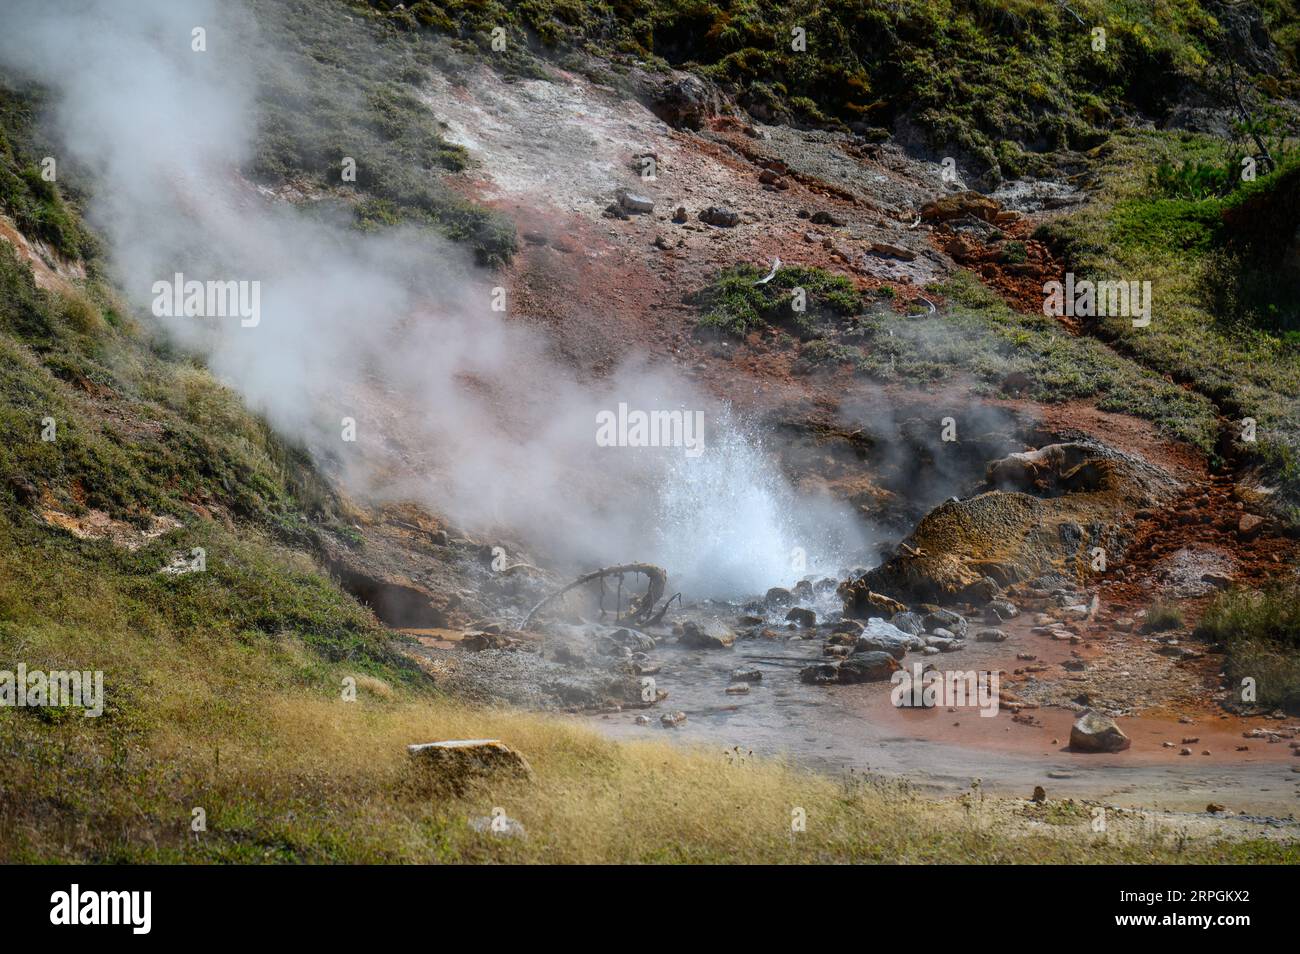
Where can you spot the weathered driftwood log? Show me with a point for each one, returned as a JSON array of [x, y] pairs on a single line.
[[641, 607]]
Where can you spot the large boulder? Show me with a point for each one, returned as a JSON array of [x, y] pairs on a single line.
[[683, 101], [453, 764], [965, 550], [1094, 732]]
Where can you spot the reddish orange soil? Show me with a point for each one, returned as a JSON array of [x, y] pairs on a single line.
[[1020, 283]]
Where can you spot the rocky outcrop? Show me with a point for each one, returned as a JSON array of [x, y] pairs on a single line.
[[959, 205], [1038, 471], [681, 100], [1070, 498]]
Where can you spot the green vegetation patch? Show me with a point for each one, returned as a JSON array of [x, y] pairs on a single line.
[[336, 87], [796, 297], [995, 80], [36, 204], [1261, 631], [1223, 309]]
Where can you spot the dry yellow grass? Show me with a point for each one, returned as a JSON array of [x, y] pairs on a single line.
[[297, 775]]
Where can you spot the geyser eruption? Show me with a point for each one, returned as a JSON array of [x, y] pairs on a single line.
[[731, 525]]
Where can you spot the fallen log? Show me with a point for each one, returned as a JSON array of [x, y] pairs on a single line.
[[642, 606]]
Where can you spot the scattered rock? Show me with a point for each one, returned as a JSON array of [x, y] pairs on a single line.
[[672, 720], [802, 616], [867, 667], [879, 636], [1003, 609], [1249, 526], [849, 627], [820, 673], [863, 602], [990, 636], [636, 203], [955, 623], [778, 596], [637, 642], [746, 674], [711, 634], [910, 623], [892, 251], [721, 217]]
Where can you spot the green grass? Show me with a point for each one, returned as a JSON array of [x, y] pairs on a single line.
[[1261, 631], [1162, 617], [36, 205], [138, 432], [734, 305], [998, 81], [335, 86], [1208, 330]]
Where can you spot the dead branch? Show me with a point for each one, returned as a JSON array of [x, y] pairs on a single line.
[[644, 605], [659, 616]]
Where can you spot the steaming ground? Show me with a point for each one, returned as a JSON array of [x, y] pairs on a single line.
[[394, 335]]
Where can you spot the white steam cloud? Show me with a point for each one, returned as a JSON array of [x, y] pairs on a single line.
[[454, 407]]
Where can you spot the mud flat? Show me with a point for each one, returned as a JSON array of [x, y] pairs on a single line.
[[856, 728]]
